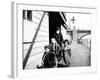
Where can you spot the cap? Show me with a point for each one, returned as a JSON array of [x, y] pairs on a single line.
[[47, 46]]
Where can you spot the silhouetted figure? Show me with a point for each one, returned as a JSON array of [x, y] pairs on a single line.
[[58, 36]]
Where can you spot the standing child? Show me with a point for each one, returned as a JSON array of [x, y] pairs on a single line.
[[56, 49], [66, 52]]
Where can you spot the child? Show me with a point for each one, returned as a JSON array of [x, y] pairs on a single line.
[[66, 53], [56, 48], [48, 59], [57, 51]]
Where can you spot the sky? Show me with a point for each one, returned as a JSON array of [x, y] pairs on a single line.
[[82, 21]]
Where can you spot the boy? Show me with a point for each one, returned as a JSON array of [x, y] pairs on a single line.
[[56, 49], [48, 59]]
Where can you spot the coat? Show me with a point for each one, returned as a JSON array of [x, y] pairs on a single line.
[[59, 38]]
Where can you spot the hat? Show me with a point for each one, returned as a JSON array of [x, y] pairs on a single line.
[[47, 46], [58, 28], [66, 41]]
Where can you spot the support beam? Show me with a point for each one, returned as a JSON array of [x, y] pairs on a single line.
[[84, 35], [62, 16]]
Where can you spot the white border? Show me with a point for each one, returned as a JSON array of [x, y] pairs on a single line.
[[17, 70]]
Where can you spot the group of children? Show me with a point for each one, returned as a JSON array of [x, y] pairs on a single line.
[[55, 53]]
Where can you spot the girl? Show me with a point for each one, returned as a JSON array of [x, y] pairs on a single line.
[[66, 52]]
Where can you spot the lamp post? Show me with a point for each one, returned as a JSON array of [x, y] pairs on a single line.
[[75, 34], [73, 21]]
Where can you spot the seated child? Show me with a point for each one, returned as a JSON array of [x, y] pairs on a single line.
[[48, 59]]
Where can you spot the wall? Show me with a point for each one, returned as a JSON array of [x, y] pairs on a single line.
[[42, 39], [5, 40]]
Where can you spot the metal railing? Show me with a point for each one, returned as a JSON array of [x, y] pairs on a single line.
[[86, 43]]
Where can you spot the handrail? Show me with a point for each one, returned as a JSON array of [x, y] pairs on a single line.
[[42, 25], [37, 53], [35, 48], [34, 42], [33, 61], [34, 38], [40, 30]]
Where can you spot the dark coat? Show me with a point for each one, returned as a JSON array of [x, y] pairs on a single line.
[[49, 60], [59, 38]]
